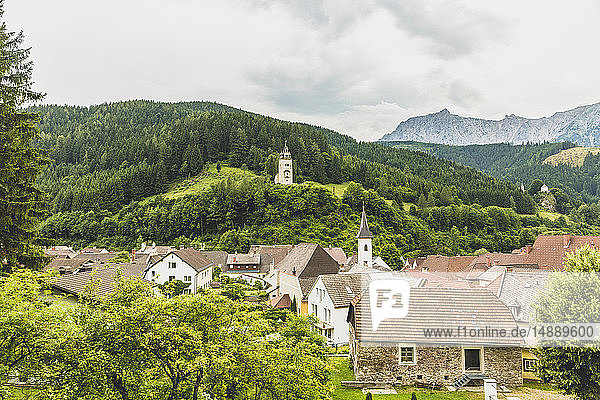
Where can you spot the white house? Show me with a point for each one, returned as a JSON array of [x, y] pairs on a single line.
[[329, 299], [186, 265]]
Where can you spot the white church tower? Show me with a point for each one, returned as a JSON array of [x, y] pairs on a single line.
[[365, 242], [285, 176]]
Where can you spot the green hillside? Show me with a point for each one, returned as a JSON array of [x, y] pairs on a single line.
[[211, 175], [574, 170], [138, 171]]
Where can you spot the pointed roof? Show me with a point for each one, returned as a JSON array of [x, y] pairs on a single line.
[[285, 154], [364, 232]]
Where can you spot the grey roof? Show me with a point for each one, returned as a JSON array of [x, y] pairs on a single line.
[[99, 258], [438, 308], [105, 275], [492, 273], [523, 287], [364, 232], [308, 260], [215, 256], [194, 258], [243, 259], [342, 288], [65, 265], [306, 284]]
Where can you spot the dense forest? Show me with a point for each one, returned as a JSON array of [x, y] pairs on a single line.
[[114, 162], [108, 155], [523, 163]]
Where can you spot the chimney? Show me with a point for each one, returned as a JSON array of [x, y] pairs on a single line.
[[488, 261], [181, 247], [566, 240], [527, 249]]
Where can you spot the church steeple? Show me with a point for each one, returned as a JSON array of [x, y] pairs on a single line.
[[364, 232], [365, 242]]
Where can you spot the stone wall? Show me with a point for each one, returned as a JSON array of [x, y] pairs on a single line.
[[434, 365]]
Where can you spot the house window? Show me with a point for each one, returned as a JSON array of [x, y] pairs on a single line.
[[314, 310], [326, 315], [171, 278], [366, 247], [172, 264], [407, 355], [187, 291], [320, 294], [529, 365], [187, 278], [153, 274]]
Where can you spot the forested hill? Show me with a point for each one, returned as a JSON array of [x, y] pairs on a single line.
[[105, 156], [523, 163]]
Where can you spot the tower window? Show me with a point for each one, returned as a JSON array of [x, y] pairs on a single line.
[[366, 247]]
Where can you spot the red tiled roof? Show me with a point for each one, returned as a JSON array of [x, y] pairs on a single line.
[[281, 301], [337, 253], [447, 264], [549, 252]]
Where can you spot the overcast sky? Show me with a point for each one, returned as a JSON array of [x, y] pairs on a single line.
[[358, 67]]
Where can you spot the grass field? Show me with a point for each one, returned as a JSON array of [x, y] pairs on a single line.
[[572, 157], [206, 179]]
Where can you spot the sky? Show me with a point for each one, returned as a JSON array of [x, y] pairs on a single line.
[[357, 67]]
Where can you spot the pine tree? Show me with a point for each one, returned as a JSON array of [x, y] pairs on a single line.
[[21, 205]]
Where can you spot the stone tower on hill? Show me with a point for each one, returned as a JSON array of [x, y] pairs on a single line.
[[285, 176]]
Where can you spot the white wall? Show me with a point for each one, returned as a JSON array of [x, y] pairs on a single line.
[[338, 315], [204, 278], [160, 272]]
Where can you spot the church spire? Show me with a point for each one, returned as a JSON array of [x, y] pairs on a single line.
[[364, 232]]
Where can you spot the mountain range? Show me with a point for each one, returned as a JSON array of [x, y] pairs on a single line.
[[580, 125]]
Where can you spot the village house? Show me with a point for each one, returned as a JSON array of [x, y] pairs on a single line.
[[331, 295], [400, 350], [298, 271], [329, 299], [519, 290], [186, 265], [249, 266]]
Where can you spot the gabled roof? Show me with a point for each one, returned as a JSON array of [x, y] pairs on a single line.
[[438, 308], [105, 275], [277, 252], [60, 251], [445, 264], [281, 301], [364, 232], [215, 256], [306, 284], [243, 259], [65, 265], [342, 288], [99, 258], [192, 257], [338, 254], [549, 252], [523, 287], [308, 260]]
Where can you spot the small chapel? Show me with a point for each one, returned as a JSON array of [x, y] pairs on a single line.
[[285, 175]]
